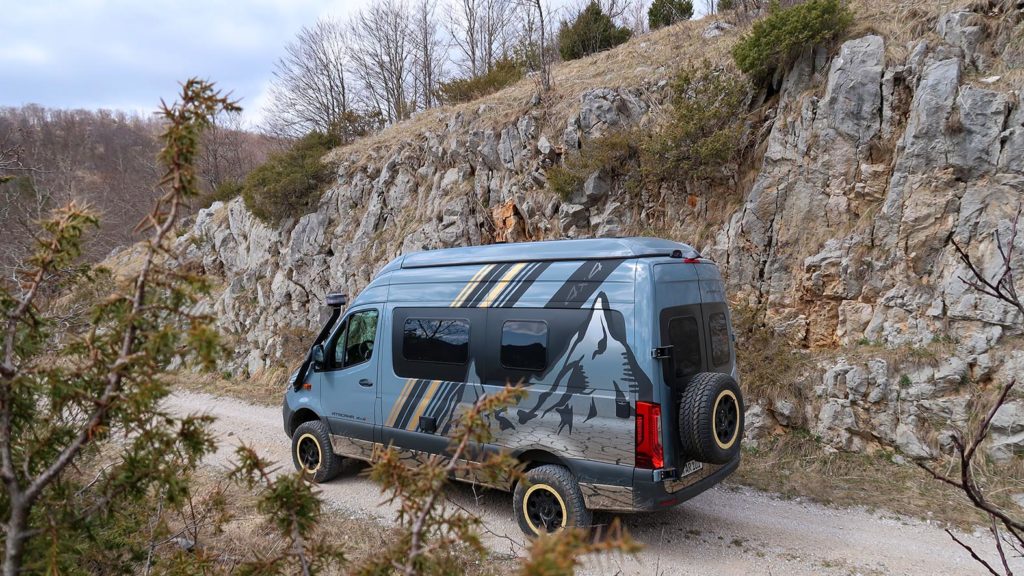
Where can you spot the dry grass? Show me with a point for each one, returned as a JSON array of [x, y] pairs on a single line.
[[642, 63], [246, 535], [795, 465], [265, 388]]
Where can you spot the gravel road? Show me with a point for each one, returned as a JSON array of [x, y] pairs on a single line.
[[723, 531]]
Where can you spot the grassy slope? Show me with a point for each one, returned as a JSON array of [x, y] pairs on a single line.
[[646, 60]]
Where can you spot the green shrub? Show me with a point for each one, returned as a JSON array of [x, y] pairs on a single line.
[[592, 31], [290, 183], [779, 38], [224, 191], [616, 155], [505, 72], [666, 12], [704, 131], [726, 5]]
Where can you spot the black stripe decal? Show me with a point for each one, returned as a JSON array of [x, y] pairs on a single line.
[[442, 390], [441, 401], [484, 286], [531, 276], [582, 283], [513, 285], [411, 403]]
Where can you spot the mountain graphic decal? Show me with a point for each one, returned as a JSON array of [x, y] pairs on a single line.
[[597, 353]]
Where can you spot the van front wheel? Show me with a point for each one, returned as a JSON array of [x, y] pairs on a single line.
[[548, 500], [312, 452], [711, 418]]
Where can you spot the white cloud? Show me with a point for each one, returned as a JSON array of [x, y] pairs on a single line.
[[23, 53]]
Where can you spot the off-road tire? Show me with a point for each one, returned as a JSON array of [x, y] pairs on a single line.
[[314, 434], [545, 485], [705, 431]]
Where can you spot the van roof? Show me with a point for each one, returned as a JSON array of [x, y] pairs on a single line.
[[549, 250]]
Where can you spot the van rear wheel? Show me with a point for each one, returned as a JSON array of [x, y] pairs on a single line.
[[312, 452], [548, 500], [711, 418]]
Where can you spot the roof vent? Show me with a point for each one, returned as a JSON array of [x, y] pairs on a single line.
[[676, 254]]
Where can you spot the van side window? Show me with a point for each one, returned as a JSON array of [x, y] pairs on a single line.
[[524, 345], [442, 341], [362, 331], [685, 339], [719, 329], [353, 342]]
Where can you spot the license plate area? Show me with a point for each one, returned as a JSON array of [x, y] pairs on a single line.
[[691, 467]]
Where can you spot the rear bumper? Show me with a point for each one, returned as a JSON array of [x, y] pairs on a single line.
[[649, 494]]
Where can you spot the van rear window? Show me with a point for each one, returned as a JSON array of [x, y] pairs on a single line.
[[524, 345], [719, 328], [442, 341], [684, 336]]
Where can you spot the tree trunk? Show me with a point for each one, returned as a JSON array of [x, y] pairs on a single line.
[[14, 543]]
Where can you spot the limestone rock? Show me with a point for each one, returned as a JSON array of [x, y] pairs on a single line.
[[572, 217], [716, 29], [1007, 431]]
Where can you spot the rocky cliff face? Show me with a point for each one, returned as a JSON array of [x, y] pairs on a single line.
[[872, 164]]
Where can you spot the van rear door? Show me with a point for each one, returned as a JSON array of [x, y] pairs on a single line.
[[677, 297]]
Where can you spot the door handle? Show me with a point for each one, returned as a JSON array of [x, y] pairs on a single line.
[[365, 383]]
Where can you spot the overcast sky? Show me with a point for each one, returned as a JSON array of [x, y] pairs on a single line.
[[128, 54]]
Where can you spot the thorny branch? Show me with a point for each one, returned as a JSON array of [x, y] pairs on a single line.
[[199, 102], [1002, 288]]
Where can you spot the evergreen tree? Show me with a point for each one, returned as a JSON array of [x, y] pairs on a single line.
[[592, 31], [667, 12]]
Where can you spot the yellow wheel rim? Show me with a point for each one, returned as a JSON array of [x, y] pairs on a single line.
[[734, 432], [543, 491], [299, 457]]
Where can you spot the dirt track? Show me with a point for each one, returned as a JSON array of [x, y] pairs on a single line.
[[723, 531]]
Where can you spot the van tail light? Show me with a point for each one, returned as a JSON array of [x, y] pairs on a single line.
[[649, 451]]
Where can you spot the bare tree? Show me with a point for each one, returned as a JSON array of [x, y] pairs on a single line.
[[1002, 287], [309, 91], [495, 25], [483, 32], [463, 26], [543, 57], [382, 51], [635, 16], [229, 152], [428, 53]]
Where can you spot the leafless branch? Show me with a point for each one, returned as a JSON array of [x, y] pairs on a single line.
[[1002, 288], [972, 553]]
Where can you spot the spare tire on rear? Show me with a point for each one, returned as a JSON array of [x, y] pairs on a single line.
[[711, 418]]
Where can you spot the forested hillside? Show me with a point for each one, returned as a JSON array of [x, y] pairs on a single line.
[[104, 159]]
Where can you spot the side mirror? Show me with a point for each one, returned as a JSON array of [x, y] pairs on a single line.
[[318, 357]]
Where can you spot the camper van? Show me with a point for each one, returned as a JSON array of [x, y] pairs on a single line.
[[624, 345]]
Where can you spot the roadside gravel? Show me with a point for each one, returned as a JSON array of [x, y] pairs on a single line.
[[724, 531]]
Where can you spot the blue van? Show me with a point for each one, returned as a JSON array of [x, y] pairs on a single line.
[[624, 345]]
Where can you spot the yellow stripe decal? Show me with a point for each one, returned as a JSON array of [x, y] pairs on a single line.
[[399, 401], [502, 284], [468, 288], [415, 420]]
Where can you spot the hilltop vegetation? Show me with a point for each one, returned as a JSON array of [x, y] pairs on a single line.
[[104, 159]]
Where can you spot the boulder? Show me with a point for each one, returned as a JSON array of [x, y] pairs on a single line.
[[716, 29], [572, 216], [1007, 431]]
